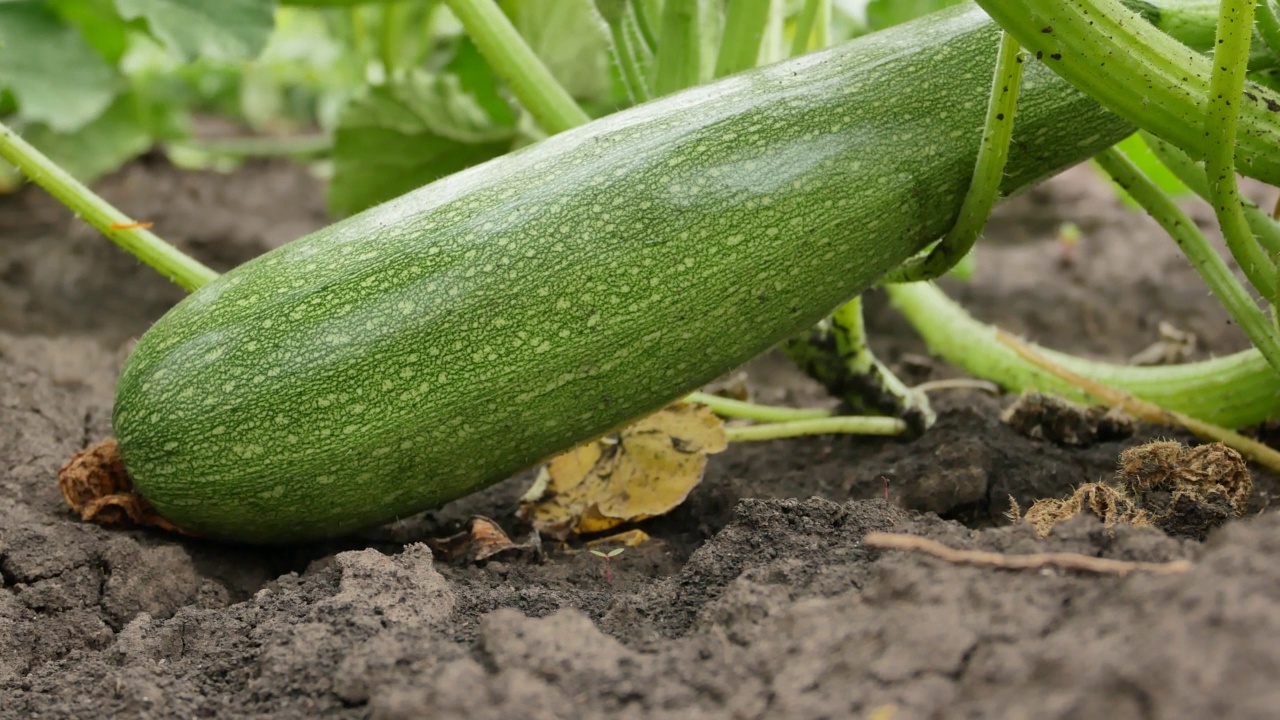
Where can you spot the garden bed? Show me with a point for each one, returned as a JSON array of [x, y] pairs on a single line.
[[756, 598]]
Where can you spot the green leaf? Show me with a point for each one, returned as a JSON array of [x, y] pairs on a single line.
[[571, 38], [477, 79], [334, 3], [98, 22], [884, 13], [55, 75], [216, 29], [103, 146], [400, 137]]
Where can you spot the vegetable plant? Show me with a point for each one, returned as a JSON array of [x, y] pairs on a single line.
[[439, 342]]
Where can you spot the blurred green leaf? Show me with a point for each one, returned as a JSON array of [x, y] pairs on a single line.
[[334, 3], [885, 13], [477, 79], [402, 136], [98, 22], [114, 138], [571, 38], [56, 76], [216, 29]]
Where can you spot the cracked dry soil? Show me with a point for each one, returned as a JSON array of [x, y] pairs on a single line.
[[755, 599]]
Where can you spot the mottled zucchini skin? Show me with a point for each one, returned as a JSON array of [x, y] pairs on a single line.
[[440, 342]]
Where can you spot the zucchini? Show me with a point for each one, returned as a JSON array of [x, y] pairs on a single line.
[[447, 339]]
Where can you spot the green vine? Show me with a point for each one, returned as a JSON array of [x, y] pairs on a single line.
[[1211, 267], [984, 189]]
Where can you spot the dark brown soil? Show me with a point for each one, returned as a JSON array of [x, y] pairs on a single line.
[[755, 599]]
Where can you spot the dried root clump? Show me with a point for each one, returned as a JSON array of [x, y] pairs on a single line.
[[1186, 492], [1107, 503], [1060, 421], [97, 488]]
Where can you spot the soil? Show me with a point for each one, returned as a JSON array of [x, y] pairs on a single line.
[[756, 598]]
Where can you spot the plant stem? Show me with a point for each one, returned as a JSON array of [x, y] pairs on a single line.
[[837, 355], [1232, 391], [1265, 228], [1211, 267], [680, 46], [804, 27], [138, 242], [822, 29], [1230, 59], [640, 11], [744, 26], [517, 64], [840, 424], [1269, 26], [1150, 412], [389, 37], [359, 37], [642, 50], [625, 50], [730, 408], [1139, 73], [987, 173]]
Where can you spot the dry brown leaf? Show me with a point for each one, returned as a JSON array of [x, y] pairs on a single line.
[[645, 470], [483, 539]]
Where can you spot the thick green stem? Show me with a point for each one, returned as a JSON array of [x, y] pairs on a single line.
[[987, 173], [1230, 58], [641, 56], [744, 27], [1265, 229], [120, 228], [1193, 23], [680, 47], [1269, 25], [846, 424], [1211, 267], [517, 64], [804, 27], [640, 11], [627, 47], [359, 35], [822, 30], [1233, 391], [1140, 73], [389, 37]]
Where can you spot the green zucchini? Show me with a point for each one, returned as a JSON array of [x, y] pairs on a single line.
[[445, 340]]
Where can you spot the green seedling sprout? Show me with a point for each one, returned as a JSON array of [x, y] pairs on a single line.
[[608, 557], [1068, 242]]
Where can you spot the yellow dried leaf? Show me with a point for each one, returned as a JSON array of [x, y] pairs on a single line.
[[645, 470], [635, 537]]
